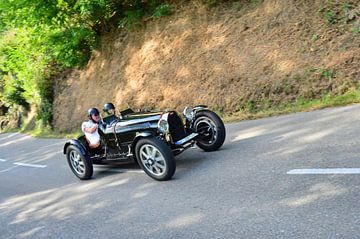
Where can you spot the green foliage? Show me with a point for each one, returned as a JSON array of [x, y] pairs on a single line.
[[162, 10], [13, 92], [39, 38], [250, 106], [315, 37], [97, 12], [327, 74], [77, 43], [335, 12], [46, 109], [330, 17], [300, 104], [132, 19], [255, 2], [346, 6], [356, 30], [134, 14]]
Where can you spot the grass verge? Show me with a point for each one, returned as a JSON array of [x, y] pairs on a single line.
[[301, 105], [44, 133], [48, 134]]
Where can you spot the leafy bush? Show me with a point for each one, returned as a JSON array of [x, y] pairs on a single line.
[[39, 38], [162, 10], [77, 43], [131, 19], [46, 109], [13, 92]]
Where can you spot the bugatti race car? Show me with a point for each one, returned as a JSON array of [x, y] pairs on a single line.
[[151, 139]]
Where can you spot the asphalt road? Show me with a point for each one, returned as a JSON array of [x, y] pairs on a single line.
[[240, 191]]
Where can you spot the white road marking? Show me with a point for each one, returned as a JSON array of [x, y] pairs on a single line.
[[325, 171], [8, 169], [2, 160], [31, 165]]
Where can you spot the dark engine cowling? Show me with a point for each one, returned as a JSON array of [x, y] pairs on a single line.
[[176, 126]]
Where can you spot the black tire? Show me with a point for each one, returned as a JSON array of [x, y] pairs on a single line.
[[80, 165], [3, 124], [161, 159], [211, 129]]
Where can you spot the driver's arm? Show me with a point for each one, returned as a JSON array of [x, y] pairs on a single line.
[[91, 129]]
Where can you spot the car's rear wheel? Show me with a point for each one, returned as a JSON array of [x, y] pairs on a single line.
[[80, 165], [211, 130], [155, 158]]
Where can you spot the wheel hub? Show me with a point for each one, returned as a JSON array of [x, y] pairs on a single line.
[[151, 161]]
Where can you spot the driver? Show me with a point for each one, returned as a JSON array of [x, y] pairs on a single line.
[[111, 117], [90, 128]]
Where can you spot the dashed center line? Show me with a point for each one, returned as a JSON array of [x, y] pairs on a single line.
[[26, 164], [31, 165], [325, 171]]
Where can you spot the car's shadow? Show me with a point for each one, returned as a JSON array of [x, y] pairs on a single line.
[[110, 168], [186, 163]]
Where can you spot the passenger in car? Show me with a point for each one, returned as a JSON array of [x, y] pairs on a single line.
[[90, 128]]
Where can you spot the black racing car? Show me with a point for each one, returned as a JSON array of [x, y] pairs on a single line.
[[151, 139]]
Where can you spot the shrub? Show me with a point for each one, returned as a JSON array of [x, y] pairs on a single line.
[[162, 10], [39, 38], [131, 19], [13, 92]]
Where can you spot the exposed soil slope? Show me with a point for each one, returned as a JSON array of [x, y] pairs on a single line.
[[233, 57]]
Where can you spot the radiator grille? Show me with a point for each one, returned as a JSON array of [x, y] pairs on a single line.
[[176, 127]]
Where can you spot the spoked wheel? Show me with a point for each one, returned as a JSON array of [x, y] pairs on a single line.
[[81, 166], [211, 130], [155, 158]]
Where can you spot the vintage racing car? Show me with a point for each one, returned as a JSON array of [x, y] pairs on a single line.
[[151, 139]]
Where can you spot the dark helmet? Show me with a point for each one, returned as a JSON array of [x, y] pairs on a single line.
[[93, 111], [108, 106]]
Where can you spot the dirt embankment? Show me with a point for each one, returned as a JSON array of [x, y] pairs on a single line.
[[235, 57]]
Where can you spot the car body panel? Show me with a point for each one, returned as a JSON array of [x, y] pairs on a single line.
[[119, 139]]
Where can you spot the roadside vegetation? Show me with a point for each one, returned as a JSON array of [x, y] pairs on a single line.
[[41, 41], [299, 105]]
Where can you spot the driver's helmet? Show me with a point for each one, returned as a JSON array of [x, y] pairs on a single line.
[[93, 111], [109, 108]]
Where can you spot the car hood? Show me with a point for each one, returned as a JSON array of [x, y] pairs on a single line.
[[134, 116]]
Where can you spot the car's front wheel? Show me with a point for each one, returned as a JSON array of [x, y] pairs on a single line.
[[211, 130], [155, 158], [80, 165]]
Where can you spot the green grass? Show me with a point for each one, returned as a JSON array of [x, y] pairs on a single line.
[[9, 130], [51, 134], [44, 133], [39, 131], [300, 105]]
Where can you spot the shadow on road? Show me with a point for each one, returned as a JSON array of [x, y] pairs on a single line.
[[236, 188]]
